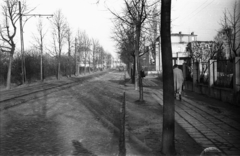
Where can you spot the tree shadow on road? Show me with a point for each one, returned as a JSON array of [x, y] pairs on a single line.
[[79, 149], [30, 136], [31, 133]]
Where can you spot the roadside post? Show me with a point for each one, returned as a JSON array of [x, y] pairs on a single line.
[[122, 145]]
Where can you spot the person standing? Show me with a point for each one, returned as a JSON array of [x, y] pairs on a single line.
[[178, 81]]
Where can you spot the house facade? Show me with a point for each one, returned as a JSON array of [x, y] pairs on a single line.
[[179, 51]]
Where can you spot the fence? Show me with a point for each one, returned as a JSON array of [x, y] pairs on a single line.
[[222, 79], [204, 72], [222, 71], [225, 70], [188, 71], [237, 68], [150, 67]]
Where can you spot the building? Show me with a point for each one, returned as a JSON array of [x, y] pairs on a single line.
[[179, 52]]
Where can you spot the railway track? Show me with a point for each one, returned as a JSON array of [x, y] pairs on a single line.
[[12, 98]]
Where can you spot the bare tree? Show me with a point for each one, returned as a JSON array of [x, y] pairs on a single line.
[[108, 59], [84, 44], [76, 57], [59, 35], [231, 29], [168, 146], [124, 36], [10, 11], [69, 38], [39, 44], [98, 56], [95, 44], [151, 30], [136, 14], [204, 51]]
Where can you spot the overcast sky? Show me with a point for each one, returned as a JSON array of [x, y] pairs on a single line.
[[199, 16]]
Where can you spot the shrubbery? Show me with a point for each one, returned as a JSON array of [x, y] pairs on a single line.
[[32, 64], [3, 68]]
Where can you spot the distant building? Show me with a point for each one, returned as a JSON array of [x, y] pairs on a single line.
[[179, 44], [179, 52]]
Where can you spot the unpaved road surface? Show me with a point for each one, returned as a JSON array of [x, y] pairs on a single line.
[[82, 120], [64, 122]]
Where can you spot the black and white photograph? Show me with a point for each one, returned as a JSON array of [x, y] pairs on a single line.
[[119, 77]]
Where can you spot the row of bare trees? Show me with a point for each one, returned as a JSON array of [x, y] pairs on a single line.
[[226, 44], [136, 26], [229, 33], [8, 30], [133, 29], [82, 53], [133, 32]]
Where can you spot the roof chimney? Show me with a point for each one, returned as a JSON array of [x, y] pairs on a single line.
[[180, 32], [192, 33]]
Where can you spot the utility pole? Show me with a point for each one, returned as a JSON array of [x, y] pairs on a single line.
[[76, 63], [22, 40], [22, 44]]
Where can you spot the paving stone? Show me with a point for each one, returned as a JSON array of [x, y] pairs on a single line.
[[207, 127], [237, 152]]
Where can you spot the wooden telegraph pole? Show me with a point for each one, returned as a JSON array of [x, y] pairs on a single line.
[[22, 40], [22, 44], [76, 63]]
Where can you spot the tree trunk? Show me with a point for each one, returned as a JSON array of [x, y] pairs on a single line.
[[59, 53], [59, 67], [94, 65], [137, 39], [168, 146], [76, 63], [24, 77], [9, 71], [41, 64], [140, 88], [133, 71], [85, 63], [89, 62]]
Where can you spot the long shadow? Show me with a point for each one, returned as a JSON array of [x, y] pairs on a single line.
[[99, 109], [98, 106], [80, 150], [120, 82], [33, 134]]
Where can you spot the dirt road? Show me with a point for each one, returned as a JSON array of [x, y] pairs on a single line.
[[63, 122], [82, 120]]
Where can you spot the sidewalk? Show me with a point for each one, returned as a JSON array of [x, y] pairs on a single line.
[[210, 122]]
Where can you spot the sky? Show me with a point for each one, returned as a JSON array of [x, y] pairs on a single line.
[[199, 16]]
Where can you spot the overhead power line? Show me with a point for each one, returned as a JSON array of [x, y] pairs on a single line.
[[194, 14], [189, 14], [22, 40]]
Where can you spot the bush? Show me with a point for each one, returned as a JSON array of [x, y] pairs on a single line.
[[32, 64], [3, 68], [49, 66], [67, 65]]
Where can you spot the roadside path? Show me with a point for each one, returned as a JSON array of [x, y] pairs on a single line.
[[77, 120], [210, 122]]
